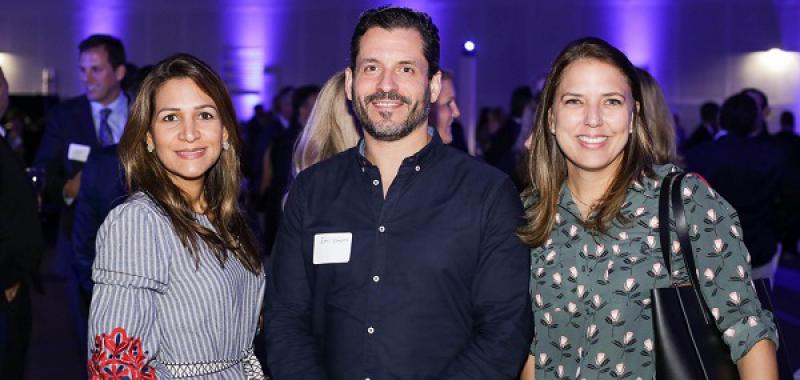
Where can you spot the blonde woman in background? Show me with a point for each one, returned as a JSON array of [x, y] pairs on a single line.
[[330, 128]]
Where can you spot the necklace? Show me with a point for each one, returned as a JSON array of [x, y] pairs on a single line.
[[575, 197]]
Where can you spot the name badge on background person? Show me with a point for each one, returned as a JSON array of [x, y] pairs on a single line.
[[332, 248], [78, 152]]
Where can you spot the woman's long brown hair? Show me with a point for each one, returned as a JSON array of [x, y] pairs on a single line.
[[145, 173], [547, 165]]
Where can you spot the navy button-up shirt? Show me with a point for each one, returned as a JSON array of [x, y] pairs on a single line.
[[435, 285]]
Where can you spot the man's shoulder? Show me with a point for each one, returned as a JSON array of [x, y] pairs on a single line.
[[71, 112], [77, 103]]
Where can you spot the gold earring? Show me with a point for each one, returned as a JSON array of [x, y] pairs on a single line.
[[630, 129]]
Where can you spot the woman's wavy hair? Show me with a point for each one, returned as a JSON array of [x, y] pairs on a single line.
[[145, 172], [330, 128], [547, 168]]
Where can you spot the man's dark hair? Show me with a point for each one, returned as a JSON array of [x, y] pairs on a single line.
[[787, 120], [447, 75], [113, 46], [709, 112], [299, 97], [760, 94], [520, 98], [389, 17], [739, 114], [276, 100]]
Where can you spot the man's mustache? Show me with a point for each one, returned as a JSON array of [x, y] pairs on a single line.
[[384, 95]]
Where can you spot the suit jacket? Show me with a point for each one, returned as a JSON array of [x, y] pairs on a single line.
[[21, 240], [67, 123], [102, 189], [699, 136], [262, 134], [753, 176], [501, 153]]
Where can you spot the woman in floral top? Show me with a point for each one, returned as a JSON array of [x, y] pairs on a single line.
[[592, 223]]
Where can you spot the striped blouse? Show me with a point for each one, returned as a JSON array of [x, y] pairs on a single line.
[[156, 314]]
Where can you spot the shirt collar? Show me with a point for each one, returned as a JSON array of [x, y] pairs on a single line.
[[415, 159], [118, 106]]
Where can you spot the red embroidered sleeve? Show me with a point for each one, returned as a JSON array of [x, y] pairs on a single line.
[[117, 356]]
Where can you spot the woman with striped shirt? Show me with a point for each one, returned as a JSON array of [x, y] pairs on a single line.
[[178, 281]]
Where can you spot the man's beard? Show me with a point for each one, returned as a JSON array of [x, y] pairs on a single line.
[[388, 130]]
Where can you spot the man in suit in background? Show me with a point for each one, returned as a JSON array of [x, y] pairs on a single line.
[[21, 246], [501, 153], [708, 128], [445, 110], [752, 174], [789, 213], [762, 101], [74, 128], [262, 131], [102, 188]]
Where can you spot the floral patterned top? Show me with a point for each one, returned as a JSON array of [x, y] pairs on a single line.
[[591, 294]]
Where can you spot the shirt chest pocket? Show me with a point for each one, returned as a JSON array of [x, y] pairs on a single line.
[[634, 269]]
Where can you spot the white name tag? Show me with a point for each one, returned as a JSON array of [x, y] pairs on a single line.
[[78, 152], [332, 248]]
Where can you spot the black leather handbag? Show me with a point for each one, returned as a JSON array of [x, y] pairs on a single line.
[[688, 344]]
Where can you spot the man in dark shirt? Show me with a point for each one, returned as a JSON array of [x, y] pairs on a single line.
[[398, 259]]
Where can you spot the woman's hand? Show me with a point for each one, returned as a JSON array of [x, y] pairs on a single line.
[[11, 292], [760, 363], [529, 370]]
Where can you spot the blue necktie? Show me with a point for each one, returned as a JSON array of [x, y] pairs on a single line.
[[106, 135]]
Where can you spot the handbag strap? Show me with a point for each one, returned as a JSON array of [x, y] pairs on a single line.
[[663, 220], [671, 190]]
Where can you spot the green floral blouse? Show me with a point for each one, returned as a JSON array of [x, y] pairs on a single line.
[[591, 294]]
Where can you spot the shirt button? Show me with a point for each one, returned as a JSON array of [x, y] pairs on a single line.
[[382, 229], [417, 168], [376, 278], [371, 330], [376, 182]]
